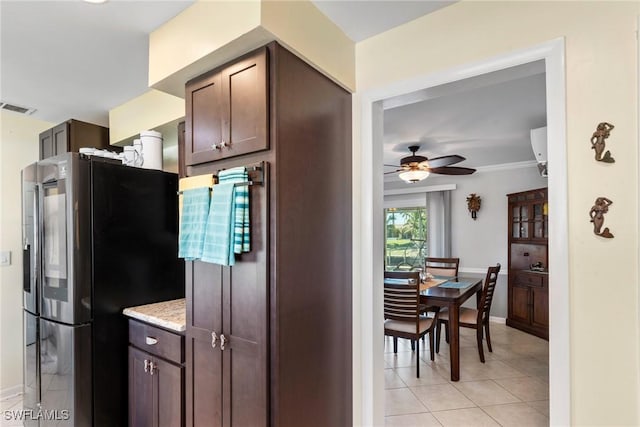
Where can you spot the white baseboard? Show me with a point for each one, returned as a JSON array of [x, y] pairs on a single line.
[[9, 392], [500, 320]]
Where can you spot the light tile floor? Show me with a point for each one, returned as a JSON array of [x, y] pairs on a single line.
[[510, 389], [8, 405]]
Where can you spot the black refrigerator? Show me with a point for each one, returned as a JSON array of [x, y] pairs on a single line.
[[98, 237]]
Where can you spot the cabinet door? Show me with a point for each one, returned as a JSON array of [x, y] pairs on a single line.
[[204, 361], [60, 137], [168, 386], [539, 220], [204, 107], [227, 110], [140, 389], [520, 303], [540, 309], [244, 358], [520, 221], [245, 93], [46, 144]]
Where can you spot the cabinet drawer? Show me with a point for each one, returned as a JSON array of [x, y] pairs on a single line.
[[529, 279], [156, 341]]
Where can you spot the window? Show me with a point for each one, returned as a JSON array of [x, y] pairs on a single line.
[[405, 238]]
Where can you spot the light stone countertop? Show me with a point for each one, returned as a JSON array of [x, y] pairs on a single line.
[[167, 314]]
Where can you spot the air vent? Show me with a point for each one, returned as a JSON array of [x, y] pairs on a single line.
[[16, 108]]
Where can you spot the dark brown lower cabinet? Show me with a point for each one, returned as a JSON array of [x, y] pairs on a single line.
[[156, 386], [529, 303], [226, 337]]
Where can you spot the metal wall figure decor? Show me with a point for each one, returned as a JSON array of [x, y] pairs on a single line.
[[596, 213], [603, 130], [473, 204]]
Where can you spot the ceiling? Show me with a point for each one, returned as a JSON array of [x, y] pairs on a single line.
[[362, 19], [71, 59], [486, 119]]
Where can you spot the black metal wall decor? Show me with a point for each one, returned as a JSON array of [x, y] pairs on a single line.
[[603, 130], [473, 204], [599, 208]]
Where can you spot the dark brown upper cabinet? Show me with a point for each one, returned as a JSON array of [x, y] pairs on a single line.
[[528, 216], [72, 135], [227, 110]]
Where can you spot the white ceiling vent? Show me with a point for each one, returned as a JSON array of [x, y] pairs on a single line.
[[539, 146], [16, 108]]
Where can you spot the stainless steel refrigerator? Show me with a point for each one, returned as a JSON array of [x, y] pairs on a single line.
[[98, 237]]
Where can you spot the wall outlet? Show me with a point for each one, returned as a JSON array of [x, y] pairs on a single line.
[[5, 258]]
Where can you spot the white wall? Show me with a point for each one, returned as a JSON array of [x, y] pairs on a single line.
[[18, 148], [601, 75], [482, 242]]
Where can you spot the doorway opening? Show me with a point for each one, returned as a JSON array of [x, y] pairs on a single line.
[[372, 241]]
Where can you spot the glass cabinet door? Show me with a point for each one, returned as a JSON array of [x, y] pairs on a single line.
[[520, 222], [538, 224], [539, 221]]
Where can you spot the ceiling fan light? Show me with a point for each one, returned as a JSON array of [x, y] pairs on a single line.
[[411, 177]]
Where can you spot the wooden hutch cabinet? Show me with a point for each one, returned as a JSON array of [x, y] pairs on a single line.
[[268, 340], [528, 290], [72, 135]]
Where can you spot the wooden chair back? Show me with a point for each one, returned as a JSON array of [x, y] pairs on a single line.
[[484, 307], [401, 300], [445, 267]]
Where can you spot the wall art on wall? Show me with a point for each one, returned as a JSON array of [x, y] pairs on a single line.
[[600, 207], [603, 130], [473, 204]]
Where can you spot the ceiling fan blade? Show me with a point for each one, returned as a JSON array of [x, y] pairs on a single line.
[[393, 166], [438, 162], [399, 170], [455, 170]]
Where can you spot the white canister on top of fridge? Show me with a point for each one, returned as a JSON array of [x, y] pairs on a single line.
[[151, 149]]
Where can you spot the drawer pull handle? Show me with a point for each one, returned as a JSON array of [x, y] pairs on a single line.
[[214, 339], [223, 341], [146, 365], [152, 366], [151, 341]]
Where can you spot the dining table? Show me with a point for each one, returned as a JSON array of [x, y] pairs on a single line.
[[451, 293]]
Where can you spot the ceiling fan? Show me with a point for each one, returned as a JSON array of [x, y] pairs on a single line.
[[415, 168]]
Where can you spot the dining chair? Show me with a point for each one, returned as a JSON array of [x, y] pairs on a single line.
[[443, 267], [402, 318], [477, 318]]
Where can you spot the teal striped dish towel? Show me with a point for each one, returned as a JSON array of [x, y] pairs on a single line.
[[195, 211], [241, 227], [218, 236]]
